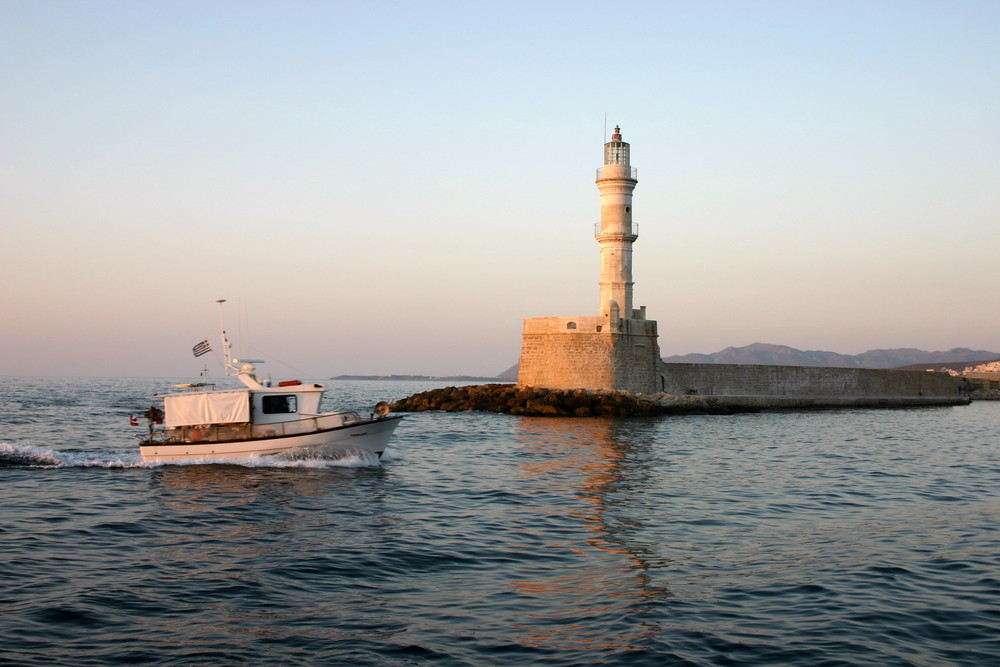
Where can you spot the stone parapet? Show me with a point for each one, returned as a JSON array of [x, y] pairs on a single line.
[[564, 325], [758, 386]]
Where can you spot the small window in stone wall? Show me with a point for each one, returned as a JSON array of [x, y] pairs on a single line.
[[571, 325], [599, 327]]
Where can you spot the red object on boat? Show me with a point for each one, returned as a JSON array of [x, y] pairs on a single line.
[[289, 383]]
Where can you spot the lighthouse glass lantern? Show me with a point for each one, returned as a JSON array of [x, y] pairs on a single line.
[[616, 150]]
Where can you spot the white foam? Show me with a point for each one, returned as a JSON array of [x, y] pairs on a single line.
[[40, 457]]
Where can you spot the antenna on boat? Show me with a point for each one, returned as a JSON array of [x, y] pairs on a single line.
[[226, 345]]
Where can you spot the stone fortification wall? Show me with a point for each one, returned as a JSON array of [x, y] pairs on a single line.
[[566, 362], [801, 386], [637, 361], [590, 353]]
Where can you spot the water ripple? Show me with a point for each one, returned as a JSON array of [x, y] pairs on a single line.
[[845, 537]]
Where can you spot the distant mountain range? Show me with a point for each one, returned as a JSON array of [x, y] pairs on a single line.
[[782, 355]]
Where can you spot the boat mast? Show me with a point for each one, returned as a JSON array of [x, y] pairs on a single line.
[[226, 345], [245, 371]]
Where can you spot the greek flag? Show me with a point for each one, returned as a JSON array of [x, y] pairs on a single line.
[[201, 348]]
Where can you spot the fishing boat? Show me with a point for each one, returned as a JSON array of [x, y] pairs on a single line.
[[198, 421]]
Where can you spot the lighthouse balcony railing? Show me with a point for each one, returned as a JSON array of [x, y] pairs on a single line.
[[633, 229]]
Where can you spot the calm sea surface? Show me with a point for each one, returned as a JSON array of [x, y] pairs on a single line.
[[844, 537]]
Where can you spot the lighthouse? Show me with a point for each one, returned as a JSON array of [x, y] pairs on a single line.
[[617, 349], [616, 179]]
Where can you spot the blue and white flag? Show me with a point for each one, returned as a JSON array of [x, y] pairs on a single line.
[[201, 348]]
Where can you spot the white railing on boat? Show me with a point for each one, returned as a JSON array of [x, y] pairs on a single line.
[[230, 432]]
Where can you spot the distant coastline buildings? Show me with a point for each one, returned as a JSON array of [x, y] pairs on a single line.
[[983, 379], [990, 369]]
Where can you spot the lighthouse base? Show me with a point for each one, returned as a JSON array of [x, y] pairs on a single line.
[[590, 353]]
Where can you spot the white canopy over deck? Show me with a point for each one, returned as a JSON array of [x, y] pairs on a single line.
[[208, 407]]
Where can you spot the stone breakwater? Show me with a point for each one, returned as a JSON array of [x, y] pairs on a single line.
[[541, 402]]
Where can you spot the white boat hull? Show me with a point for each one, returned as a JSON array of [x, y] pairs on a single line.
[[370, 436]]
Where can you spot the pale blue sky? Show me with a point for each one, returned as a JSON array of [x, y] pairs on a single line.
[[390, 187]]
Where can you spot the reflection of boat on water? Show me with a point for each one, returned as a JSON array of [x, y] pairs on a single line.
[[227, 484], [263, 420]]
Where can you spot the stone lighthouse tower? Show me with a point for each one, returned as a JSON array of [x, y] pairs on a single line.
[[617, 349], [616, 233]]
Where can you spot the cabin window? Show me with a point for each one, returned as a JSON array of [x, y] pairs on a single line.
[[279, 405]]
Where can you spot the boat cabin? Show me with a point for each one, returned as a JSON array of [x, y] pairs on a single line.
[[266, 405]]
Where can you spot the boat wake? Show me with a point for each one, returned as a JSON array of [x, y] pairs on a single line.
[[28, 456]]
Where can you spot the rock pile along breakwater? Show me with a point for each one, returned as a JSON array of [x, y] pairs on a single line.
[[542, 402]]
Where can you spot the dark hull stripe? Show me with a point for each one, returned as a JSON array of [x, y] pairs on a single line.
[[367, 422]]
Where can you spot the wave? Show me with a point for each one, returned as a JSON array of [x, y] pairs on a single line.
[[13, 455]]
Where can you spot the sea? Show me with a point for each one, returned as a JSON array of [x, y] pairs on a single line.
[[835, 537]]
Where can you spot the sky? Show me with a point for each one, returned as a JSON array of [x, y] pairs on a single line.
[[391, 187]]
